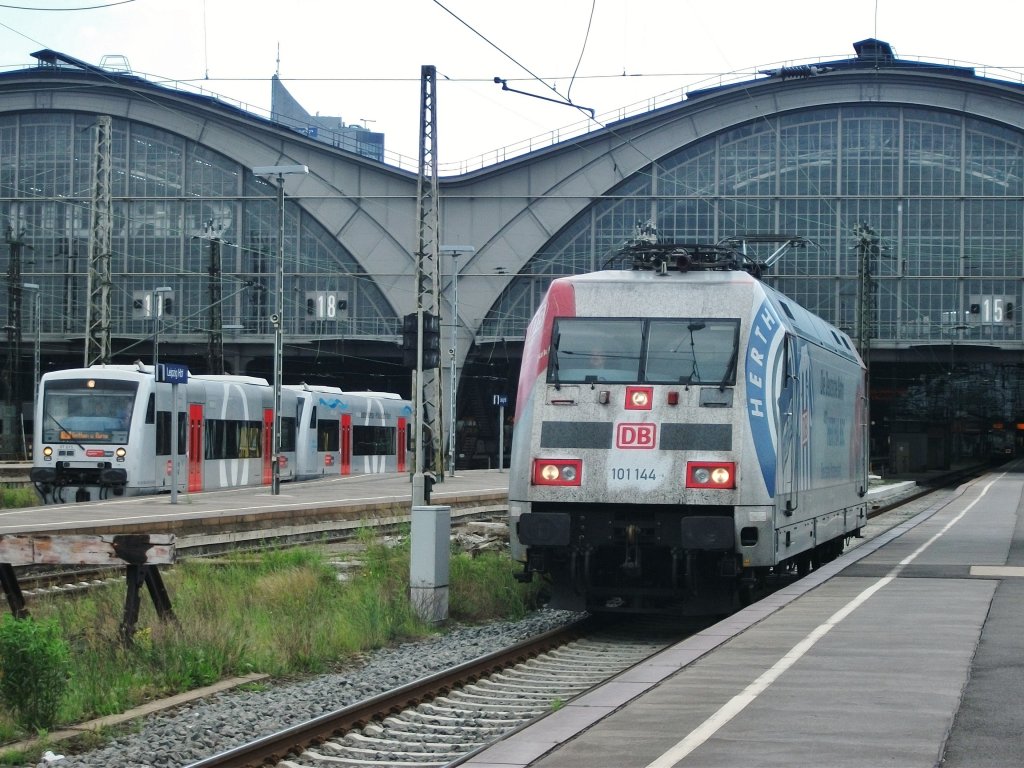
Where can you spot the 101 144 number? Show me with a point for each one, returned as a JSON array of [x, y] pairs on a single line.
[[632, 473]]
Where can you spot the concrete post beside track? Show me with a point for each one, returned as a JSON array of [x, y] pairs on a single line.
[[428, 562]]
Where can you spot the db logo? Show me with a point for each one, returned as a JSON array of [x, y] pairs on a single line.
[[636, 436]]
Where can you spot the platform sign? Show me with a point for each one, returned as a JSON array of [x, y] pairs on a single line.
[[991, 309], [501, 400], [172, 373]]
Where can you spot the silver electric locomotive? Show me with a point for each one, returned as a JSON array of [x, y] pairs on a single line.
[[682, 432]]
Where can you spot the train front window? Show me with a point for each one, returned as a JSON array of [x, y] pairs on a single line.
[[692, 351], [596, 349], [87, 411], [657, 351]]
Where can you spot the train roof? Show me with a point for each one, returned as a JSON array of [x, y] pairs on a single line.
[[139, 369], [325, 389], [98, 368]]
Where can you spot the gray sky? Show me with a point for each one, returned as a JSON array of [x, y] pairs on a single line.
[[361, 60]]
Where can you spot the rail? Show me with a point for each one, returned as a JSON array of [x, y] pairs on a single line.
[[277, 746]]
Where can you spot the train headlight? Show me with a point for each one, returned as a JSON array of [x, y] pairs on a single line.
[[47, 451], [120, 453], [639, 398], [711, 474], [557, 471]]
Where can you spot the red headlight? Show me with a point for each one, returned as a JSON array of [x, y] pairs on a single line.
[[557, 471], [639, 398], [711, 474]]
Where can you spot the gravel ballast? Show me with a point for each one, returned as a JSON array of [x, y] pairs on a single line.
[[205, 727]]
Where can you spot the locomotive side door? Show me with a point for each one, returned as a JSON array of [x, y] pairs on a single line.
[[791, 426]]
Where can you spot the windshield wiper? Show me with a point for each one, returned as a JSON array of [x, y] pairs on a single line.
[[554, 362], [730, 369], [62, 428], [694, 371]]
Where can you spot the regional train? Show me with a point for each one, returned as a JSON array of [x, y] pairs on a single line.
[[105, 431], [683, 432]]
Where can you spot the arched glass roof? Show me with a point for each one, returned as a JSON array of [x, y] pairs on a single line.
[[172, 197], [941, 191]]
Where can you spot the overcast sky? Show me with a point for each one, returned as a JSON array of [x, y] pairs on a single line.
[[361, 59]]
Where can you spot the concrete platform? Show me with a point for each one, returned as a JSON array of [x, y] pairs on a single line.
[[906, 651], [306, 502]]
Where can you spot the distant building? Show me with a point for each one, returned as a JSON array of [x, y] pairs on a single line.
[[286, 110]]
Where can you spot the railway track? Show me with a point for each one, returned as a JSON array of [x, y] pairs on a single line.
[[40, 581], [445, 717]]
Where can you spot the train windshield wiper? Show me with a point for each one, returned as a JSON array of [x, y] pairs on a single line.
[[62, 428], [554, 361], [729, 369]]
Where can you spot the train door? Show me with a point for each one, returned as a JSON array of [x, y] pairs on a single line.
[[268, 446], [346, 444], [401, 444], [195, 447], [791, 426]]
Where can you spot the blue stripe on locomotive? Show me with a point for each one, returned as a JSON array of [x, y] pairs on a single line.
[[763, 360]]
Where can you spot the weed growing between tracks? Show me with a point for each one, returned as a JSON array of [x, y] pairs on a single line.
[[284, 613], [17, 497]]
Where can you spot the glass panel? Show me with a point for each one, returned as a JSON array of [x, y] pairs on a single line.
[[596, 350], [373, 441], [692, 351], [88, 410]]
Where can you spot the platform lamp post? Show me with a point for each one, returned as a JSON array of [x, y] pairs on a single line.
[[158, 319], [278, 172], [454, 251]]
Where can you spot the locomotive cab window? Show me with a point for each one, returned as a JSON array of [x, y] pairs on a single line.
[[596, 349], [692, 351], [657, 351]]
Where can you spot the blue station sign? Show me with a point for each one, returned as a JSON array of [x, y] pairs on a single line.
[[172, 373]]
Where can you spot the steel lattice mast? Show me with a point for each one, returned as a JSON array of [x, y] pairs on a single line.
[[97, 313], [428, 389], [215, 350]]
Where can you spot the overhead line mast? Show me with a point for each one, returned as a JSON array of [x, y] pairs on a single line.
[[97, 317], [427, 384]]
